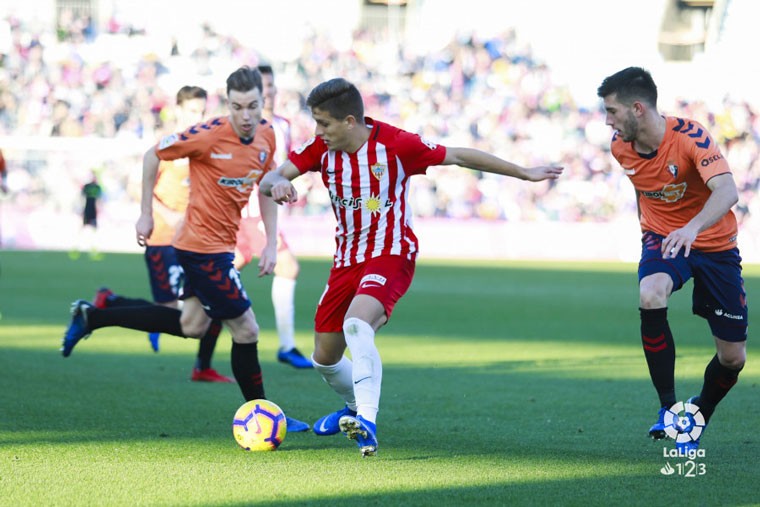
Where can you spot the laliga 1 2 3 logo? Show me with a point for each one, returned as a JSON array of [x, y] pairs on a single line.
[[684, 422]]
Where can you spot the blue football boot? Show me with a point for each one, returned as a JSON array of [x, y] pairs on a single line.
[[78, 328], [294, 358], [330, 424], [657, 431], [361, 430], [296, 426], [153, 339]]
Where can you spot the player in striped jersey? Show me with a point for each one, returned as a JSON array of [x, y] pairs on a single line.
[[685, 191], [366, 164]]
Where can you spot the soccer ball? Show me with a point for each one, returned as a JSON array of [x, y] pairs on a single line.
[[259, 425]]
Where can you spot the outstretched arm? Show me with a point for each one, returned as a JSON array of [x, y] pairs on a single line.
[[482, 161], [277, 184]]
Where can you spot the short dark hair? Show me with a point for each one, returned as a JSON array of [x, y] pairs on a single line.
[[265, 68], [244, 79], [631, 84], [338, 98], [190, 93]]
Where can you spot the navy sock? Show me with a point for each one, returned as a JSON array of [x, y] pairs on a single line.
[[247, 370], [207, 345], [149, 318], [660, 353], [718, 381]]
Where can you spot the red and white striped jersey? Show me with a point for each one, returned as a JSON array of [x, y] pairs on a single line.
[[369, 190]]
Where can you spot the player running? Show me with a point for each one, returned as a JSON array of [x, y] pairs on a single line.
[[228, 156], [685, 191]]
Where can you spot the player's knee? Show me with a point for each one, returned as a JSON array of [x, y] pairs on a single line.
[[246, 335], [733, 360], [324, 358], [654, 291], [329, 348], [287, 267], [735, 364], [652, 296], [194, 325], [192, 328]]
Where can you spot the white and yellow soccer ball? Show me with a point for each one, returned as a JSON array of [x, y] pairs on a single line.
[[259, 425]]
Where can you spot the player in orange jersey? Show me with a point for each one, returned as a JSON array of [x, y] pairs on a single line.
[[170, 197], [685, 191], [228, 156], [251, 240]]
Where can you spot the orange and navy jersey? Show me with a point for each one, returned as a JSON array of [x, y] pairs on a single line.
[[172, 190], [223, 171], [671, 182]]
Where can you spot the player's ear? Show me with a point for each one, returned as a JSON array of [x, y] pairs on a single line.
[[350, 121]]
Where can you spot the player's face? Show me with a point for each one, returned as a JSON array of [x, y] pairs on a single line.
[[245, 111], [334, 132], [190, 112], [621, 118], [270, 91]]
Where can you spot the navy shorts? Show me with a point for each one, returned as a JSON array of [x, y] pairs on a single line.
[[718, 294], [165, 274], [215, 282]]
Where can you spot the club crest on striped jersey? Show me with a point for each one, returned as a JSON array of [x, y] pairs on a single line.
[[378, 170]]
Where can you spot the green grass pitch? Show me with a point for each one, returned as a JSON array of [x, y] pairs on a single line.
[[509, 383]]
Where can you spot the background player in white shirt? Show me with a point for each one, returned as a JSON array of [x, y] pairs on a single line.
[[251, 239]]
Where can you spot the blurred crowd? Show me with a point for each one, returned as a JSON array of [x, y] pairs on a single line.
[[493, 94]]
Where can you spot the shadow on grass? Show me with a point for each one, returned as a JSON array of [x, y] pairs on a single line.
[[645, 490], [561, 406], [540, 409], [527, 428]]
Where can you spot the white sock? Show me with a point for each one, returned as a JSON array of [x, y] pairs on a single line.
[[368, 369], [283, 294], [338, 376]]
